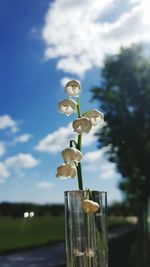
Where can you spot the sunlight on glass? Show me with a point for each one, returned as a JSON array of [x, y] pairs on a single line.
[[31, 214], [26, 214]]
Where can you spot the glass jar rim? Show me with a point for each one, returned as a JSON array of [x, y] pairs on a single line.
[[77, 191]]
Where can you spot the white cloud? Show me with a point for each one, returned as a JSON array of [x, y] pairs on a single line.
[[135, 1], [97, 161], [85, 37], [56, 140], [59, 139], [16, 163], [23, 138], [108, 171], [45, 185], [146, 13], [4, 173], [65, 80], [90, 138], [21, 161], [2, 149], [7, 122], [94, 156]]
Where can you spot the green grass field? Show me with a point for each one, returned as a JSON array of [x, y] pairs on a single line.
[[115, 221], [20, 233]]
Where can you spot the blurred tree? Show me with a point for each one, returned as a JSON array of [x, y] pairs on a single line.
[[120, 209], [124, 96], [18, 209]]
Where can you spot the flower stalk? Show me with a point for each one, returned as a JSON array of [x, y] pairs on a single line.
[[78, 107], [84, 123], [79, 147], [73, 142]]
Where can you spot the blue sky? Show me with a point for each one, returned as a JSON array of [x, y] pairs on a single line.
[[43, 45]]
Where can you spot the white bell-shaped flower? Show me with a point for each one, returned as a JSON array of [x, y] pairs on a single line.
[[67, 106], [95, 116], [82, 125], [73, 88], [90, 206], [66, 170], [71, 154]]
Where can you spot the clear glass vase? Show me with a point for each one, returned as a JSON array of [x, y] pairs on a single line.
[[86, 234]]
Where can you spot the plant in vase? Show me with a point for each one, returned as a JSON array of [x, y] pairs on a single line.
[[85, 210]]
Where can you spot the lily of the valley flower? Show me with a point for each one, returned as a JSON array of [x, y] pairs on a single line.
[[82, 125], [90, 206], [67, 106], [66, 170], [95, 116], [73, 88], [71, 155]]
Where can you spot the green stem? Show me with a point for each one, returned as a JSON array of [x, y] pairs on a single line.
[[79, 147], [89, 194], [78, 108], [79, 171], [80, 142], [73, 142]]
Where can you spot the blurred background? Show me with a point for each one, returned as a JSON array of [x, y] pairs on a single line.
[[105, 45]]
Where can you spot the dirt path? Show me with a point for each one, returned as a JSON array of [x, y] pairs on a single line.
[[53, 256], [42, 257]]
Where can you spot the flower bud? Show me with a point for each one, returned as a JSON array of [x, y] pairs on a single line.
[[73, 88], [95, 116], [66, 170], [90, 206], [67, 106], [82, 125], [71, 154]]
